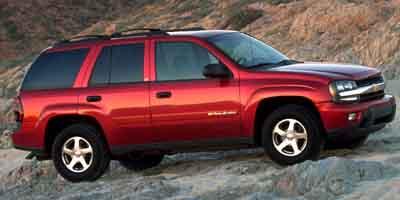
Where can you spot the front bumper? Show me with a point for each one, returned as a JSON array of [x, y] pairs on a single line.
[[373, 116]]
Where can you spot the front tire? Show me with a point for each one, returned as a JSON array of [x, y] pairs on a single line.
[[80, 154], [292, 134]]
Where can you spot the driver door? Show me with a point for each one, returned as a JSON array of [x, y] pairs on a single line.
[[185, 105]]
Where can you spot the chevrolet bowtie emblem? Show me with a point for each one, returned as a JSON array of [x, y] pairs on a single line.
[[376, 88]]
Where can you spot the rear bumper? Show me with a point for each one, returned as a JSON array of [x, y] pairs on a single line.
[[372, 116]]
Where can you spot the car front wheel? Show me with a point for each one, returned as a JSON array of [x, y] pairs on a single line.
[[291, 134]]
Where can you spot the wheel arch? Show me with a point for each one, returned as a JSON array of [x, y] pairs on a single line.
[[57, 123], [267, 105]]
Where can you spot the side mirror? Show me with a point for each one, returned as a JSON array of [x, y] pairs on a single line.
[[216, 71]]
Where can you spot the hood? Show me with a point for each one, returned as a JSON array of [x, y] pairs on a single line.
[[334, 71]]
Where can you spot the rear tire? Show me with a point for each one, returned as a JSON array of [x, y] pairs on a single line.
[[292, 134], [80, 154], [139, 162]]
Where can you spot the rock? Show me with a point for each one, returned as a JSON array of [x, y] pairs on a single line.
[[329, 178], [5, 140]]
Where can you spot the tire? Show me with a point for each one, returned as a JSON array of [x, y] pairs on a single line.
[[306, 135], [88, 138], [346, 144], [138, 162]]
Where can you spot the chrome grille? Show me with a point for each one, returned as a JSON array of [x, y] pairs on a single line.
[[369, 81], [373, 95]]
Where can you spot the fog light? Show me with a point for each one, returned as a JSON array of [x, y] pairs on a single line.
[[352, 116]]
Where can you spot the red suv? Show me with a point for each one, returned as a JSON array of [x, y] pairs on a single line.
[[137, 96]]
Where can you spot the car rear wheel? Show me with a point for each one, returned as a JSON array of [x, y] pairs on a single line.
[[80, 154], [291, 134], [140, 161]]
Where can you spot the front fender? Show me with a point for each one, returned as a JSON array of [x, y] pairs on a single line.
[[249, 111]]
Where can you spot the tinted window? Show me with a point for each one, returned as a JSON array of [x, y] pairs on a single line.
[[54, 70], [119, 64], [127, 63], [245, 50], [181, 60], [101, 71]]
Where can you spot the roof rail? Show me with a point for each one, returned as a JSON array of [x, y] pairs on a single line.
[[185, 29], [81, 38], [120, 34], [150, 31]]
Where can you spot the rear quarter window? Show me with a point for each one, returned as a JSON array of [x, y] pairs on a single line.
[[54, 70]]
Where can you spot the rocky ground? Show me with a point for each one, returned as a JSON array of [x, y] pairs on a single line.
[[370, 172]]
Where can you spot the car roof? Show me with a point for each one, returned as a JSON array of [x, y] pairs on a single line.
[[92, 40]]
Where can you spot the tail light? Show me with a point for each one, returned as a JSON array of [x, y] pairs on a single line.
[[17, 113]]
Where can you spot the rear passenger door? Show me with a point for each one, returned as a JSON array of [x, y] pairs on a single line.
[[117, 94]]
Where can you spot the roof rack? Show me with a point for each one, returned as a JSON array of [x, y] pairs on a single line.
[[126, 33], [149, 31], [185, 29], [81, 38]]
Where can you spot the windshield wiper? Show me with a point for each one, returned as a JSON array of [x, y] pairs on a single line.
[[280, 63], [258, 65]]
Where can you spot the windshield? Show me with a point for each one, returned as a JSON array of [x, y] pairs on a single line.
[[248, 51]]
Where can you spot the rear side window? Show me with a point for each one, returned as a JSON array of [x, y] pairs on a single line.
[[54, 70], [119, 64]]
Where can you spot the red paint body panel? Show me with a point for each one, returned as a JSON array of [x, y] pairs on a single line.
[[334, 116], [40, 106], [123, 112], [185, 114], [130, 114]]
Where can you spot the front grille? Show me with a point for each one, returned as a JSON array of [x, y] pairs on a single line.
[[372, 96], [370, 81]]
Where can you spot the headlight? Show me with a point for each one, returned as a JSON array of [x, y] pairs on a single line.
[[337, 87]]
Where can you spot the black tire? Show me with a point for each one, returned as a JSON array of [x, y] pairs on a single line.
[[346, 144], [311, 123], [100, 160], [139, 162]]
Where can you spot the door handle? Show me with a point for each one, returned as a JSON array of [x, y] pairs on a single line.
[[93, 98], [163, 95]]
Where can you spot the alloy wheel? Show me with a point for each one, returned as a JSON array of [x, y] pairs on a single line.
[[289, 137], [77, 154]]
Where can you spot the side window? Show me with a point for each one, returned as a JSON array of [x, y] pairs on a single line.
[[101, 71], [181, 61], [54, 70], [119, 64], [127, 63]]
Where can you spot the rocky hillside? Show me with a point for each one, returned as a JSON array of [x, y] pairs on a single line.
[[356, 31], [29, 26]]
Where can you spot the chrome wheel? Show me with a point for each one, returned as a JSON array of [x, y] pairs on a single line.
[[289, 137], [77, 154]]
